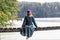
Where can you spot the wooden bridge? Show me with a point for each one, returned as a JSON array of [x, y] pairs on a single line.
[[38, 29]]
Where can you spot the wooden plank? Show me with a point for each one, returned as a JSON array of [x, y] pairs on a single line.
[[38, 29]]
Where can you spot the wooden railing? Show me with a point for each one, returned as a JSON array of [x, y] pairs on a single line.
[[38, 29]]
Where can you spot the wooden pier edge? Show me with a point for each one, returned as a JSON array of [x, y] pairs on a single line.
[[38, 29]]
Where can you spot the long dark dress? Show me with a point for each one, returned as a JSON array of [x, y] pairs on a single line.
[[27, 26]]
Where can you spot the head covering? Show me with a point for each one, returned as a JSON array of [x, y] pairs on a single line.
[[29, 11]]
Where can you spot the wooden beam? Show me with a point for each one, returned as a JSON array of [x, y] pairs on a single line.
[[38, 29]]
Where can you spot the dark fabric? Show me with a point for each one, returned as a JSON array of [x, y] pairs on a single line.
[[27, 31], [29, 21]]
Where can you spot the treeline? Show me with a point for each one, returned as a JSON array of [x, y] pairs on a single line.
[[40, 10]]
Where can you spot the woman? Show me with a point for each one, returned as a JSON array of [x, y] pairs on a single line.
[[27, 26]]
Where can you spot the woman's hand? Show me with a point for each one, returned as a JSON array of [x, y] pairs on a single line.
[[36, 28]]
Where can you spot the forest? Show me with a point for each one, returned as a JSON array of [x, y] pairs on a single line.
[[39, 10]]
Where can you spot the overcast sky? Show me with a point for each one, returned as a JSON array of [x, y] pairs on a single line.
[[41, 1]]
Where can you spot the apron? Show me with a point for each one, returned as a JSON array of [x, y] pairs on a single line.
[[27, 30]]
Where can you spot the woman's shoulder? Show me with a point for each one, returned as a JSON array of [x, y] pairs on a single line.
[[25, 16], [31, 16]]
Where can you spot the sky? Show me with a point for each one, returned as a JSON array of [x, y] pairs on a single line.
[[41, 1]]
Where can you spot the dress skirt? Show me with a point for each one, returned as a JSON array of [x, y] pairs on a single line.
[[27, 30]]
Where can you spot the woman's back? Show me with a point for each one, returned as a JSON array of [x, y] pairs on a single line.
[[29, 21]]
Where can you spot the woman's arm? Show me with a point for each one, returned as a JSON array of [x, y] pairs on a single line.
[[34, 21], [24, 22]]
